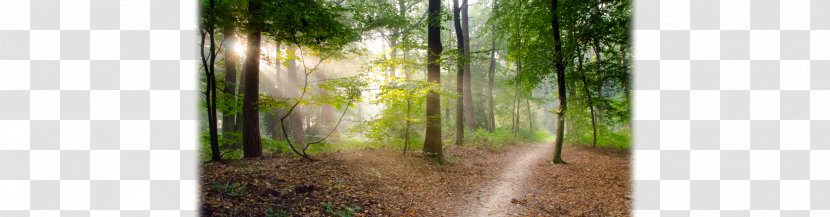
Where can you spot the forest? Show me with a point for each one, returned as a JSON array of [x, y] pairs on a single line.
[[415, 107]]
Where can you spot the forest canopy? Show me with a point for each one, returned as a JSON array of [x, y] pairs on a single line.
[[342, 73]]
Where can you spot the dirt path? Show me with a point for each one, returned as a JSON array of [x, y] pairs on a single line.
[[494, 199], [514, 181]]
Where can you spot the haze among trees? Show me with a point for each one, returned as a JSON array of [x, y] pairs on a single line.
[[415, 107]]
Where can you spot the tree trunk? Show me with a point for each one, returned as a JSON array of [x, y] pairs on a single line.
[[409, 96], [468, 92], [491, 116], [516, 104], [560, 81], [252, 146], [624, 73], [460, 105], [432, 136], [228, 119], [590, 99], [598, 54], [210, 92]]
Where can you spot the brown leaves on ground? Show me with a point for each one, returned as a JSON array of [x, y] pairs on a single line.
[[595, 182], [387, 183]]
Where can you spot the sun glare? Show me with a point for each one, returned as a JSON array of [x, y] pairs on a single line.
[[238, 47]]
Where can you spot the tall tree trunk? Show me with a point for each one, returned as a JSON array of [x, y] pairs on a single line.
[[240, 118], [252, 146], [560, 81], [491, 116], [393, 54], [590, 99], [598, 54], [468, 92], [228, 119], [409, 96], [516, 108], [624, 73], [432, 136], [210, 92], [459, 85]]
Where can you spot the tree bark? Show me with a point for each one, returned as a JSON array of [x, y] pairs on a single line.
[[460, 105], [560, 81], [491, 116], [432, 136], [228, 119], [624, 72], [468, 92], [210, 92], [590, 99], [252, 146]]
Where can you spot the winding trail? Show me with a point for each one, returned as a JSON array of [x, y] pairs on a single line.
[[495, 198]]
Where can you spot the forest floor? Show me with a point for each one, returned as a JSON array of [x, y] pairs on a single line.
[[516, 180]]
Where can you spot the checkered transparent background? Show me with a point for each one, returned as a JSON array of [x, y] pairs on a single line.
[[98, 107], [732, 108]]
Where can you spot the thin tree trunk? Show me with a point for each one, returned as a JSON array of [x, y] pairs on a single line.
[[516, 103], [432, 138], [459, 104], [560, 80], [590, 100], [408, 106], [491, 116], [210, 92], [598, 54], [468, 92], [252, 147], [624, 73]]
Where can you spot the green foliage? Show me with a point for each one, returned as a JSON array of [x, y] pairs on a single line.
[[343, 211], [230, 189], [610, 133], [271, 212], [230, 145], [503, 136]]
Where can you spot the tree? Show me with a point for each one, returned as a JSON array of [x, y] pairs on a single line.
[[252, 146], [589, 98], [491, 73], [460, 104], [432, 138], [229, 119], [560, 82], [468, 92], [208, 60]]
